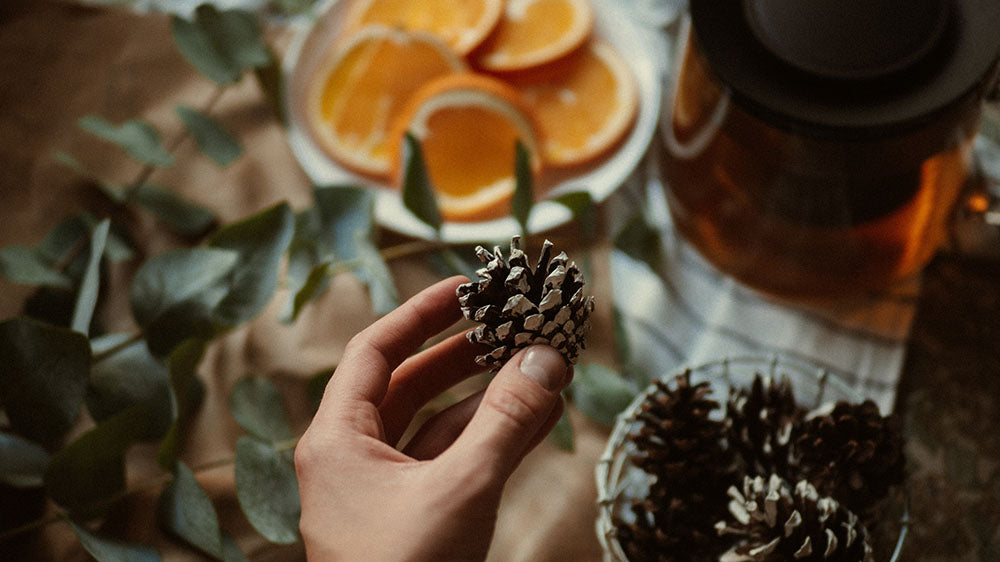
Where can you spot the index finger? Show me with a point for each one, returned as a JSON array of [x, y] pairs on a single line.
[[374, 353]]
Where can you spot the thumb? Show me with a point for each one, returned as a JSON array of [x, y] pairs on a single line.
[[515, 407]]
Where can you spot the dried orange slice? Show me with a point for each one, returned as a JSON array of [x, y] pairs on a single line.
[[365, 83], [583, 104], [468, 126], [534, 32], [463, 24]]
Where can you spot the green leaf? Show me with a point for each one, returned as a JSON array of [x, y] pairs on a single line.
[[86, 298], [221, 44], [317, 386], [257, 406], [210, 136], [231, 551], [129, 378], [174, 295], [138, 138], [184, 217], [187, 391], [186, 511], [641, 241], [267, 490], [344, 227], [524, 187], [418, 195], [88, 473], [71, 235], [562, 435], [581, 204], [260, 242], [43, 377], [600, 393], [375, 273], [25, 266], [306, 290], [107, 550], [22, 463], [271, 82]]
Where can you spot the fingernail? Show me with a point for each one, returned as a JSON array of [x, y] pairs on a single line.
[[545, 366]]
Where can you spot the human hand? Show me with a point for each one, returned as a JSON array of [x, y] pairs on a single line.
[[437, 498]]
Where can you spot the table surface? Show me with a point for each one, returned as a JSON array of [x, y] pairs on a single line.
[[60, 61]]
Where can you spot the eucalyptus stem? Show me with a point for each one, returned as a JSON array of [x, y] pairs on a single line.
[[134, 338]]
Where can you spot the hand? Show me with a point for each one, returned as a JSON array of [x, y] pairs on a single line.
[[437, 498]]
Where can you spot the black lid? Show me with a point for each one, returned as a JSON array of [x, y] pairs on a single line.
[[868, 67]]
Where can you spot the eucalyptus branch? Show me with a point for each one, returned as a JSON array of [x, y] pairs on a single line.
[[61, 515], [178, 139]]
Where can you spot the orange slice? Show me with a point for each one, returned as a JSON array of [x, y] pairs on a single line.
[[468, 126], [364, 84], [534, 32], [584, 104], [462, 24]]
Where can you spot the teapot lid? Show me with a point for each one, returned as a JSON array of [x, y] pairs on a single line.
[[858, 67]]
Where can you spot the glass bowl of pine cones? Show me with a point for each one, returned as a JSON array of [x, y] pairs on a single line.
[[752, 459]]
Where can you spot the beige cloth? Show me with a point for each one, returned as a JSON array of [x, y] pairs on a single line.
[[60, 61]]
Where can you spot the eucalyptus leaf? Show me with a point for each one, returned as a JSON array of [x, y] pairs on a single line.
[[231, 551], [418, 195], [88, 473], [71, 235], [641, 241], [562, 435], [271, 82], [107, 550], [210, 136], [305, 291], [524, 187], [260, 242], [138, 138], [221, 44], [174, 295], [375, 273], [257, 406], [86, 298], [22, 463], [581, 204], [188, 392], [186, 511], [43, 377], [601, 393], [129, 378], [24, 266], [184, 217], [267, 490]]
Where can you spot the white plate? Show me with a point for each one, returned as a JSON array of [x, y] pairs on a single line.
[[638, 44]]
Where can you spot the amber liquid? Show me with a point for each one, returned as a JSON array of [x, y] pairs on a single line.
[[798, 215]]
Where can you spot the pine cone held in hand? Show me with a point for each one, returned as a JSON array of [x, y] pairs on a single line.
[[519, 306]]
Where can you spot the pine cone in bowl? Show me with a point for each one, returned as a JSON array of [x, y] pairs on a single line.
[[776, 523], [761, 422], [853, 453]]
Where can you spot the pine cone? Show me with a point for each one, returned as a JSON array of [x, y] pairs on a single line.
[[519, 307], [778, 524], [761, 422], [852, 453], [684, 450]]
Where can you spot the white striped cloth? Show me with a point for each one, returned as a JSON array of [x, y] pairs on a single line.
[[689, 313]]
